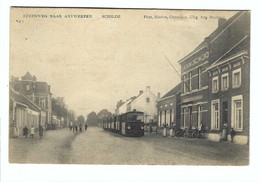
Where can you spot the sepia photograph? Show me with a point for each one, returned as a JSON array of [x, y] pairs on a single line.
[[111, 86]]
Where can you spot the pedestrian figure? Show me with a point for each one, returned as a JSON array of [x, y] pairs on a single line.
[[25, 132], [32, 133], [232, 133], [200, 129], [40, 131], [86, 127], [150, 128], [73, 128], [15, 132], [70, 127], [76, 127], [80, 128]]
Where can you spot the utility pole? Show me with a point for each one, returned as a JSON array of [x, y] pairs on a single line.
[[176, 71]]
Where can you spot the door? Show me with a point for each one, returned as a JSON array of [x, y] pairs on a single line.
[[225, 113], [190, 117]]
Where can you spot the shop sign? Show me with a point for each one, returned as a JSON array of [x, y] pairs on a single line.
[[194, 98], [196, 61]]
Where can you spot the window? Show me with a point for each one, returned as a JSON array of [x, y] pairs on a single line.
[[199, 114], [184, 84], [172, 116], [190, 81], [224, 81], [215, 84], [168, 117], [46, 104], [160, 119], [199, 78], [42, 102], [236, 78], [237, 113], [27, 87], [163, 117], [37, 100], [147, 99], [185, 117], [215, 114]]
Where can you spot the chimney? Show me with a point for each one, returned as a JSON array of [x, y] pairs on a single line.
[[158, 95], [206, 42], [34, 78], [147, 88], [221, 21], [140, 92]]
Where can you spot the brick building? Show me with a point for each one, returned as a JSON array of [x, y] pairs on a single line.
[[215, 80], [169, 109], [23, 112], [38, 92]]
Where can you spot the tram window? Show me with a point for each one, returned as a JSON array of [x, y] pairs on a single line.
[[134, 117]]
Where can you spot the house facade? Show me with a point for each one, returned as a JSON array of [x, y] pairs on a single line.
[[145, 102], [169, 109], [123, 107], [38, 92], [194, 90], [229, 85], [215, 81], [23, 112]]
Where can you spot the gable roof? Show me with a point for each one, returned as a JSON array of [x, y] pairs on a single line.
[[213, 36], [36, 87], [27, 76], [125, 103], [135, 97], [173, 91], [238, 50], [41, 87]]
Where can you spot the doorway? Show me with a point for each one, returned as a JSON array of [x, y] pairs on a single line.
[[190, 117], [225, 112]]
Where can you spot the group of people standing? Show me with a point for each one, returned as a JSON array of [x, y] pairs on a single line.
[[75, 128], [31, 131]]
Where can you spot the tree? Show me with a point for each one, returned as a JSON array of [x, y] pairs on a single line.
[[92, 119], [103, 114], [80, 120], [71, 115]]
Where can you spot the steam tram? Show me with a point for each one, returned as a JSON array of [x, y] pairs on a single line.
[[127, 124]]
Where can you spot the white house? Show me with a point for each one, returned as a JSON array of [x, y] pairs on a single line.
[[145, 102], [123, 108]]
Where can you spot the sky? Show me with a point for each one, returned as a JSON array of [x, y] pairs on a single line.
[[95, 62]]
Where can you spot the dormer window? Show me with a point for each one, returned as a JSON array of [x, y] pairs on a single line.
[[28, 87], [215, 84], [147, 99], [236, 78]]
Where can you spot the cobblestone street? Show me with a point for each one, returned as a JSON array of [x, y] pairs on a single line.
[[97, 146]]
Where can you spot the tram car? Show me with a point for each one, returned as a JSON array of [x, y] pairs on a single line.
[[127, 124]]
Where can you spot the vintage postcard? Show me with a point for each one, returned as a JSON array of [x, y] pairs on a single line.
[[129, 86]]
